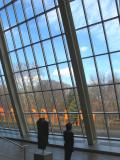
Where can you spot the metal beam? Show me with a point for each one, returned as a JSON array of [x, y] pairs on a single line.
[[76, 60], [12, 86]]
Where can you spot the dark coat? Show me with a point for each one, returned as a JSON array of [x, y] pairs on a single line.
[[68, 144], [43, 131]]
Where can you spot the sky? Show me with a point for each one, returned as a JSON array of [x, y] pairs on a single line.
[[112, 29]]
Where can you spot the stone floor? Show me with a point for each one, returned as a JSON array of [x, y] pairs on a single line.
[[10, 151]]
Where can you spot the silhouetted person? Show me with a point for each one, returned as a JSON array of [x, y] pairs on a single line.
[[43, 130], [68, 141]]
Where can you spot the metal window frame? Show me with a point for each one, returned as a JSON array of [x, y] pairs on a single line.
[[11, 86], [78, 70]]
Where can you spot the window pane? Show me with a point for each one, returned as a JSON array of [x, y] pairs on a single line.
[[28, 9], [19, 11], [90, 71], [59, 49], [92, 11], [33, 31], [9, 40], [42, 24], [30, 57], [16, 37], [4, 19], [113, 34], [116, 66], [24, 34], [11, 15], [48, 52], [39, 55], [98, 39], [78, 14], [108, 5], [104, 69], [84, 43], [21, 58], [53, 21]]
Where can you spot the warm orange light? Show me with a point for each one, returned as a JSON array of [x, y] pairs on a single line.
[[44, 115], [33, 110], [65, 117], [54, 117], [1, 111]]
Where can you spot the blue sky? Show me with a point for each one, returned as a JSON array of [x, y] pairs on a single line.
[[97, 36]]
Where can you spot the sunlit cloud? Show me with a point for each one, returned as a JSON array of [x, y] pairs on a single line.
[[83, 49], [63, 72]]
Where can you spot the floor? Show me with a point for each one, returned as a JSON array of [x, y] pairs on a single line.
[[9, 151]]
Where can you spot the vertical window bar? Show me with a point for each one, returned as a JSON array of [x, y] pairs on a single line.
[[60, 25], [78, 70]]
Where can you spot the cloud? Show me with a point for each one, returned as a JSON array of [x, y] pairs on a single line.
[[83, 49], [63, 72]]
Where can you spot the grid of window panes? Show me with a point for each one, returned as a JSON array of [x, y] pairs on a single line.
[[41, 64], [7, 117], [97, 25]]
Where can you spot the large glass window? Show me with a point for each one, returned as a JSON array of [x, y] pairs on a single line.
[[41, 64], [98, 38], [42, 69]]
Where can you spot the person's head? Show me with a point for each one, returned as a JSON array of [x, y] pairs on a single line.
[[68, 126]]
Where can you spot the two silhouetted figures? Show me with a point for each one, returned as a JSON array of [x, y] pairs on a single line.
[[68, 141], [43, 131]]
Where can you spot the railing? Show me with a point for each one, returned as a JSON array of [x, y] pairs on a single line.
[[23, 147]]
